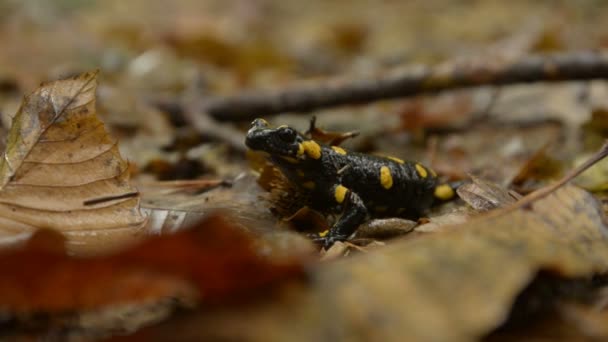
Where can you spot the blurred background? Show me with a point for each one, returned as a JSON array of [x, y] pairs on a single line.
[[160, 60], [231, 44]]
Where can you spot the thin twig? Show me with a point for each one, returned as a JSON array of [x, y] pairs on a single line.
[[196, 184], [105, 199], [543, 192], [586, 65], [526, 201]]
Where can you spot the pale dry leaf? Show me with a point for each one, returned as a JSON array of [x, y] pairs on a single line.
[[61, 170], [483, 195]]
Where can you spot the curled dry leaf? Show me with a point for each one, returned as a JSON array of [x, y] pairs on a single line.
[[328, 137], [61, 170], [484, 195], [455, 286], [385, 228]]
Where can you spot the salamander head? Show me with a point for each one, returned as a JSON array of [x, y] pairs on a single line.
[[280, 141]]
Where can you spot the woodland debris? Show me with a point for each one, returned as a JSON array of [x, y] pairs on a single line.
[[569, 66], [214, 262]]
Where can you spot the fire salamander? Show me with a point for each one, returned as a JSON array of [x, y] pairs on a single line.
[[360, 185]]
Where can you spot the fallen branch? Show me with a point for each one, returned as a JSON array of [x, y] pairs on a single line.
[[579, 66]]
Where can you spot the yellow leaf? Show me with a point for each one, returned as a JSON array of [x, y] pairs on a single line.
[[61, 170]]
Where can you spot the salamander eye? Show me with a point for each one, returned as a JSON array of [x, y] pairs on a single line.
[[287, 134]]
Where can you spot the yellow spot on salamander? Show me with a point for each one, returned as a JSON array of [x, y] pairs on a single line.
[[312, 149], [339, 150], [433, 173], [324, 233], [300, 149], [290, 159], [444, 192], [395, 159], [421, 171], [340, 193], [380, 209], [385, 177], [310, 185], [300, 173]]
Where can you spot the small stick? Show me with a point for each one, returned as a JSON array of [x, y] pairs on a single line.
[[100, 200], [527, 200], [190, 184], [540, 193], [585, 65]]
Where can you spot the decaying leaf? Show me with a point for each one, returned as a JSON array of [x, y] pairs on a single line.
[[215, 262], [61, 170], [385, 228], [540, 166], [328, 137], [169, 211], [308, 219], [455, 286], [596, 178], [444, 222], [484, 195], [595, 130]]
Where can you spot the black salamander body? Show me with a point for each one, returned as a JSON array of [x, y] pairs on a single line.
[[360, 185]]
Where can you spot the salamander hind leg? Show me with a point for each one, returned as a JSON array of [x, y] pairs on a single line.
[[354, 213]]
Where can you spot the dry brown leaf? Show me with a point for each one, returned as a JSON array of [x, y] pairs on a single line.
[[539, 167], [385, 228], [169, 212], [455, 286], [484, 195], [61, 170], [328, 137], [216, 262]]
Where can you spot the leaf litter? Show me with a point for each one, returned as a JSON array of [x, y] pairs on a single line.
[[523, 240], [149, 62], [408, 287], [206, 264], [487, 260]]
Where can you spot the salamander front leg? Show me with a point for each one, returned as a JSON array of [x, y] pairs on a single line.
[[353, 214]]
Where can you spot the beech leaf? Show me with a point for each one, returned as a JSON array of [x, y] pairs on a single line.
[[61, 170]]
